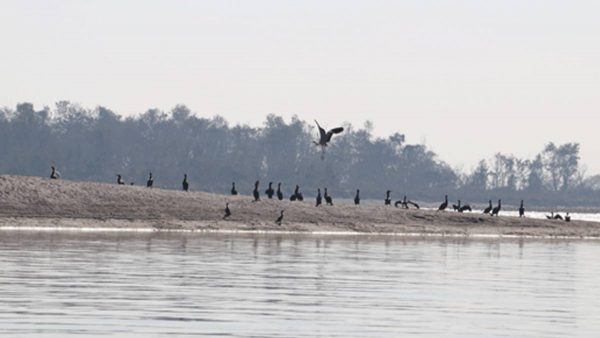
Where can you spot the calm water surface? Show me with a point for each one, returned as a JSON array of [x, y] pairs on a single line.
[[64, 284]]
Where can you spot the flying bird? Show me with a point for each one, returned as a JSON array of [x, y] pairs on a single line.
[[325, 137]]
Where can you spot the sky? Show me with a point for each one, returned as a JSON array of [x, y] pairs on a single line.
[[466, 78]]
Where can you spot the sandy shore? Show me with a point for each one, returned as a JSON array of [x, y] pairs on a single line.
[[30, 202]]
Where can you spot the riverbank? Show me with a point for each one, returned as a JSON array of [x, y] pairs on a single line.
[[30, 202]]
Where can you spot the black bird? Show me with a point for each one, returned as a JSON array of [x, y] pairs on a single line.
[[456, 207], [279, 193], [54, 174], [551, 216], [328, 199], [255, 192], [227, 211], [319, 198], [464, 208], [233, 191], [120, 180], [488, 209], [558, 216], [297, 196], [325, 137], [270, 192], [402, 202], [413, 204], [388, 199], [150, 181], [568, 218], [497, 209], [444, 205], [185, 185], [522, 210], [357, 197], [280, 218]]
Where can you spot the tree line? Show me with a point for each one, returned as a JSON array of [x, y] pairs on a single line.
[[97, 144]]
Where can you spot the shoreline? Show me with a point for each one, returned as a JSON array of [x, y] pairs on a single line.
[[33, 203], [41, 224]]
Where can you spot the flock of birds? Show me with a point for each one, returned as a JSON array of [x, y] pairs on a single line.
[[324, 139], [271, 193]]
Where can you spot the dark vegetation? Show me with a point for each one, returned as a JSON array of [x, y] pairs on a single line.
[[98, 144]]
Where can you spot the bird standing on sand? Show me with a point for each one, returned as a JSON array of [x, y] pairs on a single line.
[[464, 208], [54, 174], [185, 185], [488, 209], [325, 137], [328, 199], [255, 192], [444, 204], [150, 181], [497, 209], [522, 210], [227, 211], [279, 193], [357, 197], [388, 199], [413, 204], [456, 207], [280, 218], [568, 218], [402, 202], [233, 191], [270, 192], [297, 196], [558, 216], [120, 180], [319, 198]]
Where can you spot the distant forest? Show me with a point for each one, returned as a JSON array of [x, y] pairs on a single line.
[[97, 144]]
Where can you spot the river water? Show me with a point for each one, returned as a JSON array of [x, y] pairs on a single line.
[[76, 284]]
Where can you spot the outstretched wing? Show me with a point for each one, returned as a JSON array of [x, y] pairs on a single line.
[[322, 134], [334, 131]]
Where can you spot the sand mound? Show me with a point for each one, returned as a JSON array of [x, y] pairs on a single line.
[[34, 201]]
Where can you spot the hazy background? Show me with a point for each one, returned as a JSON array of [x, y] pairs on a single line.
[[467, 78]]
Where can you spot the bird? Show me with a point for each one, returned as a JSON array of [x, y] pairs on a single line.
[[558, 216], [496, 210], [297, 196], [227, 211], [402, 202], [357, 197], [233, 191], [280, 218], [444, 204], [150, 181], [120, 180], [551, 216], [413, 204], [568, 218], [488, 209], [255, 192], [54, 174], [319, 198], [279, 193], [328, 199], [464, 208], [325, 137], [388, 199], [456, 207], [270, 192], [522, 210], [185, 185]]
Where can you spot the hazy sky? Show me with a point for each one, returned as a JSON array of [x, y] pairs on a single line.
[[467, 78]]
